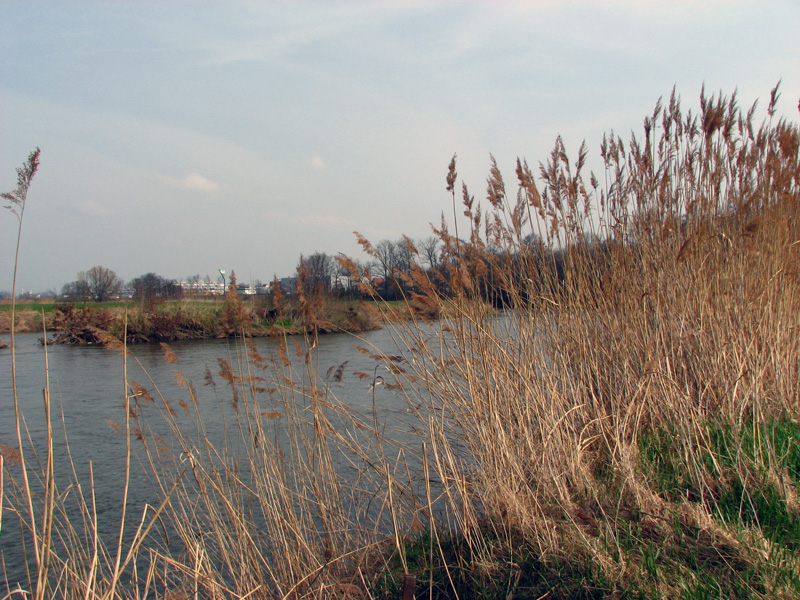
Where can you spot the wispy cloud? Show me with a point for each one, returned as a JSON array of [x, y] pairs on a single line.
[[316, 161], [91, 208], [325, 221], [272, 44], [194, 182]]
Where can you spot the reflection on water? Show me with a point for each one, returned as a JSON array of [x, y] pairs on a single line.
[[87, 392]]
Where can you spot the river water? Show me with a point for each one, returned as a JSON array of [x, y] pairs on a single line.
[[87, 392]]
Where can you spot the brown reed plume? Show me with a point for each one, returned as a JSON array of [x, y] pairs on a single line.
[[665, 300]]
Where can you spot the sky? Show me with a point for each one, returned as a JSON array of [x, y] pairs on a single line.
[[185, 137]]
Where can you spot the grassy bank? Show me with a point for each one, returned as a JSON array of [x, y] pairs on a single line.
[[626, 427], [93, 323]]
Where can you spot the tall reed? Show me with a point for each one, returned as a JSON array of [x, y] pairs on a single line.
[[664, 299], [607, 406]]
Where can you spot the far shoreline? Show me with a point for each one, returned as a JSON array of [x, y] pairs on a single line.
[[102, 324]]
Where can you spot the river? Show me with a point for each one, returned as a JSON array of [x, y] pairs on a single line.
[[87, 392]]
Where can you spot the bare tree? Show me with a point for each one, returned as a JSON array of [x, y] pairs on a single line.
[[403, 257], [101, 282], [150, 287], [393, 259], [429, 251], [75, 290], [383, 266], [321, 268]]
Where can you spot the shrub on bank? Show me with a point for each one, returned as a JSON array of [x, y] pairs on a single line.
[[94, 324]]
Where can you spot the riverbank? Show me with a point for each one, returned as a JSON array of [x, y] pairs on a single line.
[[28, 316], [100, 323]]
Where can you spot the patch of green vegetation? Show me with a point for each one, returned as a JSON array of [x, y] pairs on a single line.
[[46, 307], [451, 568], [743, 470], [749, 473], [695, 567], [726, 453], [660, 457]]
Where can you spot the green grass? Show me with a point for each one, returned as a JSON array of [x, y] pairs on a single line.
[[745, 468], [48, 305], [669, 553], [38, 307], [452, 569], [78, 323]]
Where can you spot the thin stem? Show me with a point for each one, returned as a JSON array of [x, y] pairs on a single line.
[[18, 199], [126, 487], [49, 481]]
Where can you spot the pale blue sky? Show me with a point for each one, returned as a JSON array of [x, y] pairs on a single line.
[[184, 137]]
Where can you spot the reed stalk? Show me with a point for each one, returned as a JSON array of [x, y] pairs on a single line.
[[17, 201]]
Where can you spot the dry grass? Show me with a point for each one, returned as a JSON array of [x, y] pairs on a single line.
[[272, 510], [27, 321], [666, 300], [603, 406]]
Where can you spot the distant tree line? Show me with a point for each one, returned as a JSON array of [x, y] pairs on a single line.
[[399, 269], [98, 283], [387, 272], [392, 272], [149, 287], [101, 283]]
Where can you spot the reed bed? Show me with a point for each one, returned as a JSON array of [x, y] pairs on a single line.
[[607, 407], [625, 425]]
